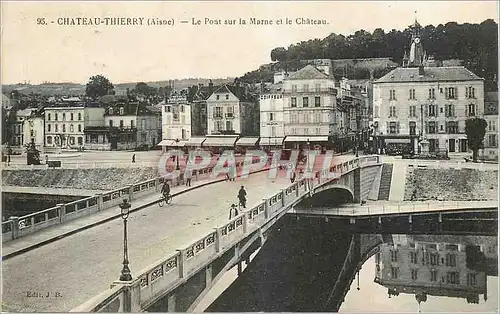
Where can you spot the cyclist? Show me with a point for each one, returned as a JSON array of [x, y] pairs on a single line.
[[242, 196], [165, 190]]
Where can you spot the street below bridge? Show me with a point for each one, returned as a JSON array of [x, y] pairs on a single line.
[[82, 265]]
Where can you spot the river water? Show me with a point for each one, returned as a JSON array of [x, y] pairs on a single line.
[[405, 273]]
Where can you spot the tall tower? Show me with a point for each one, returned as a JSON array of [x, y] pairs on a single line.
[[417, 53]]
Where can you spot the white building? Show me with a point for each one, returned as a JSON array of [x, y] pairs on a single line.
[[272, 122], [33, 129], [65, 123], [425, 108], [176, 117], [310, 105], [232, 110], [29, 125]]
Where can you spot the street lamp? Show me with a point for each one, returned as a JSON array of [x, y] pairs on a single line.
[[308, 144], [269, 137], [177, 158], [125, 208]]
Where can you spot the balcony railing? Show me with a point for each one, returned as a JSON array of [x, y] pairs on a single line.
[[311, 91], [229, 115], [217, 116]]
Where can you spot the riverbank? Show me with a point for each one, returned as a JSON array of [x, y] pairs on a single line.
[[451, 185], [88, 179]]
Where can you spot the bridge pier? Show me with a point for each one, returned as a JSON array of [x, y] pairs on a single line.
[[171, 303]]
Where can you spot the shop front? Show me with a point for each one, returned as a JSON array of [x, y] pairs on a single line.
[[218, 143]]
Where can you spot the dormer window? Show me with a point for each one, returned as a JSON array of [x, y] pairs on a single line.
[[110, 111], [227, 96], [121, 110]]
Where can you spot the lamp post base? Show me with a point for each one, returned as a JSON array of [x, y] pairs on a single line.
[[125, 276]]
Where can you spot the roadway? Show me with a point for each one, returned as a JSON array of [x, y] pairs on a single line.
[[84, 264]]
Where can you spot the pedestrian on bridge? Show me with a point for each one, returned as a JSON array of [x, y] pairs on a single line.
[[133, 158], [233, 210], [189, 175]]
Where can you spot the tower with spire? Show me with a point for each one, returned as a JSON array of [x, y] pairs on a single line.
[[416, 56]]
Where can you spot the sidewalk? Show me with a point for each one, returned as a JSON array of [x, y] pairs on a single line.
[[59, 231]]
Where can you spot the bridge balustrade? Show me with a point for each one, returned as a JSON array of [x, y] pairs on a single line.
[[257, 214], [232, 231], [190, 259], [159, 277], [21, 226]]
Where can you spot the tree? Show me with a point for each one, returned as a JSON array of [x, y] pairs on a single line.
[[278, 54], [98, 86], [475, 129]]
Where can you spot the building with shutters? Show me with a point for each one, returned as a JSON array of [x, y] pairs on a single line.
[[422, 266], [423, 108], [125, 125], [310, 106], [272, 130], [65, 123], [490, 151]]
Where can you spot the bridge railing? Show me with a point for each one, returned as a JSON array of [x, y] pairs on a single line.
[[16, 227], [413, 207], [188, 260]]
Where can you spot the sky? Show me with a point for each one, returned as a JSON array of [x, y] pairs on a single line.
[[62, 53]]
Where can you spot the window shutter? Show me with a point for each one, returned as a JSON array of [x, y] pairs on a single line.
[[426, 127], [466, 110], [398, 127], [388, 128], [466, 92], [456, 92], [426, 110]]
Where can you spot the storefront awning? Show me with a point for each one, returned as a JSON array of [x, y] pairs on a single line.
[[195, 141], [397, 141], [306, 138], [278, 141], [165, 143], [247, 141], [171, 143], [221, 141]]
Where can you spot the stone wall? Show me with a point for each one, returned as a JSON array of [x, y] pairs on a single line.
[[89, 179], [451, 184]]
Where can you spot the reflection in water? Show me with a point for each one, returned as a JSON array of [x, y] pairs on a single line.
[[443, 268]]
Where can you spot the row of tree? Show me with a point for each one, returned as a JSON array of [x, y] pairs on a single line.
[[475, 44], [100, 85]]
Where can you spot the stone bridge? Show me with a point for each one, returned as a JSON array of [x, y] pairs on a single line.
[[179, 281]]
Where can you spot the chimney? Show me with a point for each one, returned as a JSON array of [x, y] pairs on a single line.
[[210, 87], [421, 70]]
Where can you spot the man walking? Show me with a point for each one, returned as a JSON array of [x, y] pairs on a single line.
[[189, 175], [133, 158], [242, 196]]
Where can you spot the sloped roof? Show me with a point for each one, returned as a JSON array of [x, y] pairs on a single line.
[[431, 74], [203, 92], [238, 91], [306, 73], [129, 109]]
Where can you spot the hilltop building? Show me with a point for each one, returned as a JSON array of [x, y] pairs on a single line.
[[422, 108]]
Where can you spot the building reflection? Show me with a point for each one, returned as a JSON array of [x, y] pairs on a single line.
[[434, 265]]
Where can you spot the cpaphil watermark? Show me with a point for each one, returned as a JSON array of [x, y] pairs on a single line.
[[309, 164]]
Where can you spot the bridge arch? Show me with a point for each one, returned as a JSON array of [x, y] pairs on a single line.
[[331, 195]]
